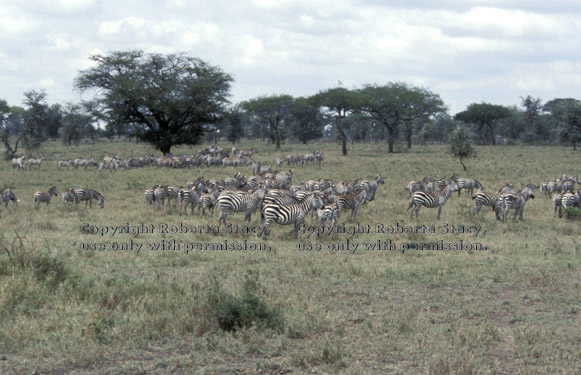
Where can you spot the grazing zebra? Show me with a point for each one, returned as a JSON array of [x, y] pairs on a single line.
[[352, 201], [468, 184], [45, 196], [110, 164], [83, 163], [516, 202], [208, 201], [431, 200], [6, 195], [32, 162], [329, 212], [239, 201], [88, 195], [64, 164], [17, 162], [492, 200], [294, 213], [68, 196]]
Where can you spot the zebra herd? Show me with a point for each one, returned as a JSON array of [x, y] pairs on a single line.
[[562, 192], [19, 162], [272, 193]]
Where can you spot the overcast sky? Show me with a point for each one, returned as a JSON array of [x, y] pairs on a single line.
[[465, 51]]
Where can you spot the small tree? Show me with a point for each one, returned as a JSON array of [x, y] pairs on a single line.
[[460, 146]]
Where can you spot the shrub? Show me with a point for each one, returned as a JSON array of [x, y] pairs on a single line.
[[573, 213]]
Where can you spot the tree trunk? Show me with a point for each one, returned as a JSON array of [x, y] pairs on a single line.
[[343, 137], [462, 162]]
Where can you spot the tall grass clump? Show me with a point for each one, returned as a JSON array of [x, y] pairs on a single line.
[[244, 309]]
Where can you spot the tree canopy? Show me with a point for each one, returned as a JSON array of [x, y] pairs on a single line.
[[274, 110], [166, 98], [484, 116]]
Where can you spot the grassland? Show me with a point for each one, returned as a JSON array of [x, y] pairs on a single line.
[[510, 309]]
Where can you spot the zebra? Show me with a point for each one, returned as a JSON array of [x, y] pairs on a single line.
[[7, 195], [482, 198], [32, 162], [554, 186], [83, 162], [569, 184], [239, 201], [431, 200], [329, 212], [150, 196], [208, 201], [64, 164], [517, 202], [352, 201], [468, 184], [88, 195], [371, 186], [110, 164], [190, 197], [294, 213], [562, 201], [414, 186], [45, 196], [18, 162], [68, 196]]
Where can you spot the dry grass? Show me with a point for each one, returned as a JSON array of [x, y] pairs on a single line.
[[510, 309]]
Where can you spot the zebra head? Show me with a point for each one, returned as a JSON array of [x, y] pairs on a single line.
[[529, 191], [316, 201], [52, 191], [379, 179]]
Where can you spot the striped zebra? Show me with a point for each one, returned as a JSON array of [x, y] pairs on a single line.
[[190, 197], [64, 164], [7, 195], [414, 186], [329, 212], [569, 184], [562, 201], [83, 163], [544, 188], [207, 201], [239, 201], [554, 186], [482, 198], [468, 184], [516, 202], [32, 162], [18, 162], [352, 201], [68, 196], [88, 195], [294, 213], [371, 186], [45, 196], [110, 164], [149, 195], [159, 198], [431, 200]]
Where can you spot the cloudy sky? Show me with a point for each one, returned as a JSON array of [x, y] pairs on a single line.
[[465, 51]]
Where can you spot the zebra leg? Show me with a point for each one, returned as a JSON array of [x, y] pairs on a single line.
[[440, 210]]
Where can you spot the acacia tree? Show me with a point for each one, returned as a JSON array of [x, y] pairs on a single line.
[[167, 98], [25, 126], [307, 120], [340, 102], [75, 123], [274, 110], [399, 103], [484, 116]]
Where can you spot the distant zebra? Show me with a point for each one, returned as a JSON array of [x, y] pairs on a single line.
[[468, 184], [45, 196], [569, 184], [295, 213], [68, 196], [17, 162], [431, 200], [562, 201], [6, 195], [65, 164], [88, 195], [554, 186], [110, 164], [83, 163], [482, 198], [516, 202], [159, 198], [32, 162], [149, 195], [239, 201], [352, 201], [414, 186], [190, 197]]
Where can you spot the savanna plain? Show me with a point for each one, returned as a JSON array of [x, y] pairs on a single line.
[[511, 308]]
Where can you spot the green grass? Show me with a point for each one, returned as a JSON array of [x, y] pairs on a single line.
[[512, 308]]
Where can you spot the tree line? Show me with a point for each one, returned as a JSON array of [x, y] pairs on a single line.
[[170, 100]]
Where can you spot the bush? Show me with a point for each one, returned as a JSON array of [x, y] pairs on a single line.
[[573, 213], [232, 312]]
